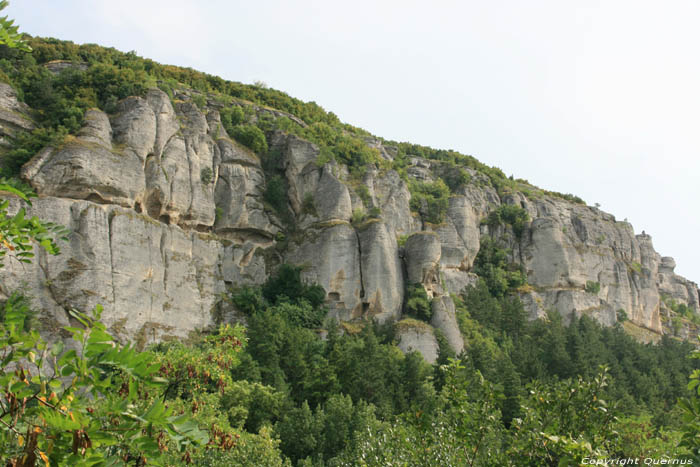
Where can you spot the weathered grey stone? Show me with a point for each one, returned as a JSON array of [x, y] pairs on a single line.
[[422, 253], [331, 256], [381, 273], [96, 128], [414, 336], [153, 280], [176, 175], [445, 319], [299, 162], [332, 198], [14, 115], [84, 170], [134, 126], [239, 200], [390, 194]]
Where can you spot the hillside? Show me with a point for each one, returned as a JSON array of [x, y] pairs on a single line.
[[221, 182], [400, 305]]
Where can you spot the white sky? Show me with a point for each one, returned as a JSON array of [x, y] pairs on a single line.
[[596, 98]]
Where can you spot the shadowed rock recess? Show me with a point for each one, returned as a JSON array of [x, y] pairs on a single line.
[[167, 213]]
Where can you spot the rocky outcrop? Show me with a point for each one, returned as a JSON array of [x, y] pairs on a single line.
[[415, 336], [445, 319], [155, 281], [14, 115], [166, 212]]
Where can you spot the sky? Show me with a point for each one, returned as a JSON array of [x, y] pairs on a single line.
[[598, 98]]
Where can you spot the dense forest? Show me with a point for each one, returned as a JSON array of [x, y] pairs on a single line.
[[293, 387]]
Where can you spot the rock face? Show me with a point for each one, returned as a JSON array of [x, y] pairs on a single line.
[[418, 337], [166, 212]]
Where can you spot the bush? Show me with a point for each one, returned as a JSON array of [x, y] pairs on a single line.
[[592, 287], [430, 200], [308, 206], [286, 285], [418, 304], [358, 216], [456, 178], [251, 137], [509, 214], [500, 276], [206, 175], [276, 193]]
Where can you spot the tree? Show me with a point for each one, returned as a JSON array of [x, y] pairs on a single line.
[[18, 233], [9, 34]]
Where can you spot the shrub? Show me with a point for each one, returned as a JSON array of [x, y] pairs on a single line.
[[358, 216], [286, 285], [308, 206], [430, 200], [248, 300], [276, 193], [200, 100], [251, 137], [456, 178], [500, 276], [231, 116], [418, 304], [206, 175], [509, 214], [621, 315], [592, 287], [401, 240]]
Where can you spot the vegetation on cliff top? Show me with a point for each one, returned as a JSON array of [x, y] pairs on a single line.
[[95, 76]]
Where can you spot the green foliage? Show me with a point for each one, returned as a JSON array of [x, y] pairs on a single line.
[[285, 294], [358, 216], [200, 101], [563, 423], [621, 315], [9, 34], [592, 287], [206, 175], [286, 285], [456, 178], [681, 310], [26, 144], [492, 265], [363, 192], [374, 212], [638, 437], [18, 233], [232, 116], [250, 136], [430, 200], [509, 214], [308, 206], [401, 240], [418, 304], [276, 193], [65, 408], [690, 407], [248, 300], [463, 429]]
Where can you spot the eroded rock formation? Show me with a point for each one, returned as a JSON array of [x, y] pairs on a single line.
[[166, 212]]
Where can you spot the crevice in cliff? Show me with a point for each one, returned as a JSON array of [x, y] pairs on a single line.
[[359, 262], [189, 151], [164, 258], [43, 263], [110, 233]]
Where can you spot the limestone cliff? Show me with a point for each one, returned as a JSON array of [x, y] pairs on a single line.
[[166, 213]]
